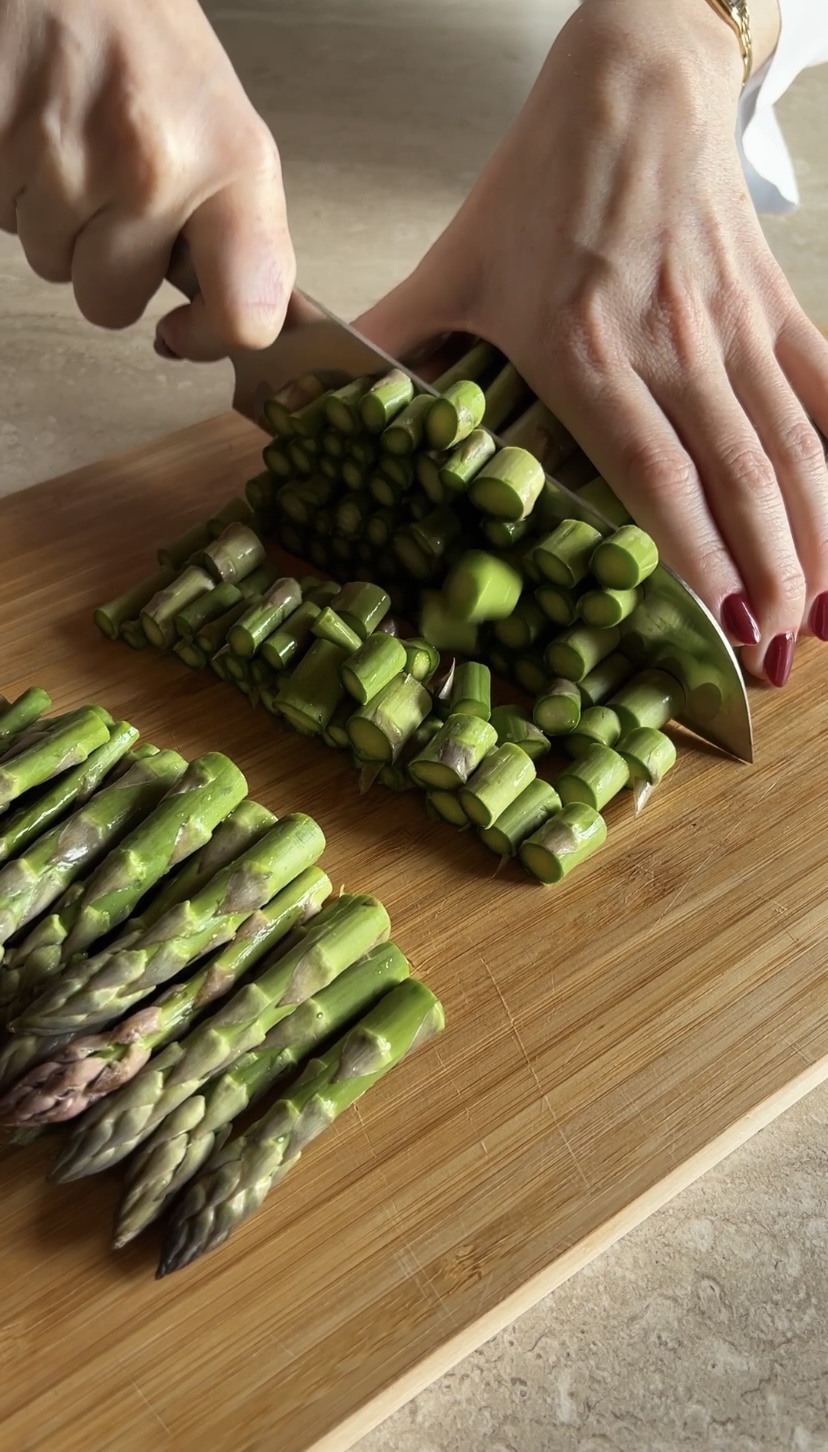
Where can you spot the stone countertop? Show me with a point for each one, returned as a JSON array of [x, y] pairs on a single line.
[[706, 1328]]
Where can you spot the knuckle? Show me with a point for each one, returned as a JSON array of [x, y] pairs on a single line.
[[583, 333], [675, 315], [746, 463], [800, 448], [663, 473]]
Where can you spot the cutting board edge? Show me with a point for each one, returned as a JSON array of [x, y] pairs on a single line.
[[376, 1411]]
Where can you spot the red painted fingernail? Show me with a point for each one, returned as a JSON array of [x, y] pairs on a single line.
[[165, 351], [819, 616], [779, 658], [739, 620]]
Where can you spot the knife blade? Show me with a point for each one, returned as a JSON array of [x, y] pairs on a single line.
[[671, 627]]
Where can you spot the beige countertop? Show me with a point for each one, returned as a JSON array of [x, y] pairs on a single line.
[[707, 1328]]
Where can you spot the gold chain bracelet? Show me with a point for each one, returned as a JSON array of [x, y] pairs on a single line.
[[737, 15]]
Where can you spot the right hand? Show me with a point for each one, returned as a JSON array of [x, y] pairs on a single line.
[[122, 127]]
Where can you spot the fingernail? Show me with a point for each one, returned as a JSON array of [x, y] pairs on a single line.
[[779, 658], [164, 350], [819, 616], [739, 620]]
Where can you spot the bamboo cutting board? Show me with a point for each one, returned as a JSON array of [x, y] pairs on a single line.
[[607, 1041]]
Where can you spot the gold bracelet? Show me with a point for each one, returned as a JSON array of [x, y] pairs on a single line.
[[737, 15]]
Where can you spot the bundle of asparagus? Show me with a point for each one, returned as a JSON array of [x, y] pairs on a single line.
[[173, 953]]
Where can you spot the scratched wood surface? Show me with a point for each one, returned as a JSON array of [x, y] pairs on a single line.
[[605, 1043]]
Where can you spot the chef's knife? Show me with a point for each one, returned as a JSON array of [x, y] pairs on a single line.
[[671, 627]]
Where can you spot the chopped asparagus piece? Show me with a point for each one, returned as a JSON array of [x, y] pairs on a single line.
[[577, 652], [471, 692], [111, 618], [405, 434], [563, 557], [447, 805], [594, 778], [648, 754], [564, 841], [328, 625], [558, 710], [454, 415], [453, 754], [606, 678], [500, 778], [379, 730], [362, 605], [158, 615], [514, 724], [626, 559], [282, 648], [311, 694], [444, 629], [232, 556], [422, 658], [385, 398], [377, 661], [508, 486], [536, 804], [603, 608], [466, 461], [343, 407], [557, 604], [482, 587], [526, 625], [650, 699], [599, 726]]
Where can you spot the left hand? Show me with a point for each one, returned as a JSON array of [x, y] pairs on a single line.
[[611, 250]]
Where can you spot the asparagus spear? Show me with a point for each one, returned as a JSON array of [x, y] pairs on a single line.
[[232, 556], [558, 604], [265, 616], [482, 587], [447, 805], [237, 1177], [525, 626], [529, 671], [197, 801], [190, 654], [330, 626], [514, 724], [70, 743], [71, 789], [310, 696], [504, 534], [280, 411], [343, 406], [508, 486], [535, 805], [282, 647], [453, 754], [566, 840], [455, 414], [626, 559], [31, 883], [379, 659], [466, 461], [422, 658], [598, 493], [563, 557], [471, 691], [183, 1141], [384, 399], [607, 607], [648, 755], [362, 605], [576, 652], [83, 1070], [605, 679], [342, 933], [594, 778], [598, 726], [379, 730], [558, 710], [110, 618], [446, 630], [404, 434], [652, 698], [500, 778], [23, 714]]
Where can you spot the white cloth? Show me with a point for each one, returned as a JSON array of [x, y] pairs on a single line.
[[803, 42]]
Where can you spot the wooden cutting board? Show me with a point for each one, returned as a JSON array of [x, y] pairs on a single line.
[[606, 1042]]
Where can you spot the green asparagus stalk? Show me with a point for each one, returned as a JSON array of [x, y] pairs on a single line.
[[504, 534], [183, 1141], [447, 806], [381, 526], [261, 619], [158, 615], [563, 557], [466, 461], [310, 420], [508, 486], [342, 406], [471, 691], [97, 990], [503, 396], [283, 647], [427, 469], [385, 398], [576, 652], [280, 411], [558, 604], [453, 416], [648, 755], [603, 608], [180, 551], [310, 695], [22, 715], [208, 607], [526, 625], [625, 560], [379, 659], [379, 730], [405, 434], [236, 1178], [444, 629], [417, 563], [331, 627], [651, 698], [605, 679], [110, 618], [558, 710], [452, 755], [482, 587], [564, 841], [72, 789], [598, 494], [71, 1077], [530, 673], [594, 778], [513, 723], [599, 726], [340, 935], [232, 556], [235, 511], [363, 606], [536, 804], [499, 779], [301, 457], [301, 502], [69, 744], [422, 658], [190, 654], [31, 883], [197, 801]]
